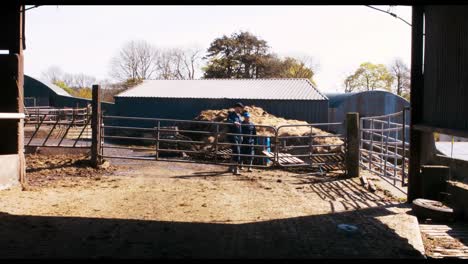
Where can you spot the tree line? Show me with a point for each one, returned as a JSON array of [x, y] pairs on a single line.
[[239, 55], [368, 77]]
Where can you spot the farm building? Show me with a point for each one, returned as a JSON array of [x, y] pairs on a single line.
[[368, 103], [185, 99], [41, 94]]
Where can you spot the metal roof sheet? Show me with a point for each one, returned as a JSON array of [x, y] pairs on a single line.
[[58, 90], [336, 99], [276, 89]]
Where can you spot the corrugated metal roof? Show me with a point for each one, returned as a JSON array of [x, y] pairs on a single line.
[[56, 89], [276, 89], [335, 99]]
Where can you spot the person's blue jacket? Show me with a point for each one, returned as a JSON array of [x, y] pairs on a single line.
[[232, 118]]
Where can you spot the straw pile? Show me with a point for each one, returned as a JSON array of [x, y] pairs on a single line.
[[262, 117]]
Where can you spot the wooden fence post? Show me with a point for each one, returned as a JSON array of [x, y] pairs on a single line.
[[352, 142], [96, 126]]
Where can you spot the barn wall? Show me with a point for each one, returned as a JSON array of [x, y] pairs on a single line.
[[187, 109], [37, 90], [367, 104], [445, 67]]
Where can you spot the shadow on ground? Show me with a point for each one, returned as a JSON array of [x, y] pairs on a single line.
[[300, 237]]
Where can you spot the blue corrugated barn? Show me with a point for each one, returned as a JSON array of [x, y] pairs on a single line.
[[185, 99], [43, 94], [368, 103]]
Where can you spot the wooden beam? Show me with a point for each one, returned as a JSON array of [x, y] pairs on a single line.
[[416, 93], [447, 131], [353, 141], [96, 126]]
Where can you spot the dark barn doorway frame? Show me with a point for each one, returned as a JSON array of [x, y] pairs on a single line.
[[12, 39]]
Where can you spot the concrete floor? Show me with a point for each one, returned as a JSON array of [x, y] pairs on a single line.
[[179, 210]]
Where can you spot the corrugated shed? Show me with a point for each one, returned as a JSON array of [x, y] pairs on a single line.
[[446, 67], [264, 89], [368, 103], [189, 108], [46, 94]]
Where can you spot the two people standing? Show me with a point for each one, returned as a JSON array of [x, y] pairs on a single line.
[[245, 134]]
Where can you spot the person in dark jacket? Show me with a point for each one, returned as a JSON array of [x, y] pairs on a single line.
[[235, 118], [248, 131]]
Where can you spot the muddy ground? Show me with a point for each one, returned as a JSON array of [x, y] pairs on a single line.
[[168, 209]]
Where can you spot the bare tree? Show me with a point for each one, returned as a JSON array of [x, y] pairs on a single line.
[[53, 74], [309, 62], [178, 63], [167, 65], [69, 79], [83, 81], [401, 74], [136, 60], [190, 60]]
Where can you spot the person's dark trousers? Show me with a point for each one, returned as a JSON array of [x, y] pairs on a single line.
[[236, 150], [247, 151]]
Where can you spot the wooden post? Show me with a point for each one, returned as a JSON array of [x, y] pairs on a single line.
[[95, 126], [417, 87], [353, 142]]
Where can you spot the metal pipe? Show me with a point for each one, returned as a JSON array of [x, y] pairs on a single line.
[[216, 142], [371, 144], [403, 138], [135, 138], [386, 148]]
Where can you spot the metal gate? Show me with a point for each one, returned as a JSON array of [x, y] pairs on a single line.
[[311, 146], [57, 127], [212, 143], [384, 147], [182, 141]]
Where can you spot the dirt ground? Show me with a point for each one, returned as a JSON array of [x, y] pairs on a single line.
[[169, 209]]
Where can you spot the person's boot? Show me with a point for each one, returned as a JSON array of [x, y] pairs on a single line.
[[240, 166], [236, 171], [249, 169]]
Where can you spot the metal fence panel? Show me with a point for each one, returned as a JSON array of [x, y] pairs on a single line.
[[211, 143], [57, 127], [384, 148]]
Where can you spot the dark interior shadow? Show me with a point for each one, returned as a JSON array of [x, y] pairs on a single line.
[[459, 231], [315, 236]]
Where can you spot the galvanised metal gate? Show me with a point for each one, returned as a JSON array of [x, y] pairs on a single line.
[[182, 141], [384, 147], [209, 142], [316, 148], [57, 127]]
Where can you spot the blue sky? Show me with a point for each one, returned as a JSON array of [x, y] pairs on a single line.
[[83, 39]]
